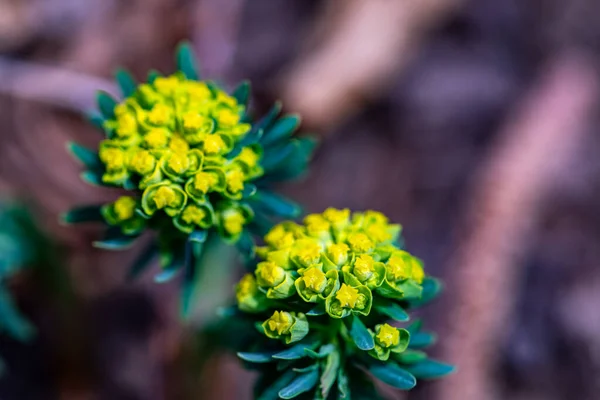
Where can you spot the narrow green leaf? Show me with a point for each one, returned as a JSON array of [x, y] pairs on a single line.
[[93, 178], [272, 392], [259, 358], [324, 351], [276, 205], [342, 385], [330, 373], [126, 82], [392, 310], [266, 121], [186, 62], [312, 367], [249, 190], [106, 104], [242, 93], [303, 383], [319, 309], [198, 236], [11, 320], [82, 214], [360, 334], [276, 156], [87, 157], [115, 240], [431, 289], [393, 375], [152, 75], [282, 129], [410, 356], [421, 340], [146, 256], [245, 245], [430, 369], [297, 351], [95, 119]]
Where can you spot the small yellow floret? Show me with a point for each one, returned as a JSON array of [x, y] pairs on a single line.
[[193, 121], [269, 274], [388, 336], [376, 217], [166, 85], [336, 216], [178, 163], [364, 267], [398, 267], [379, 232], [165, 197], [197, 90], [249, 157], [142, 162], [418, 274], [227, 117], [338, 253], [126, 125], [160, 114], [308, 252], [315, 279], [235, 181], [233, 222], [347, 296], [113, 158], [214, 144], [178, 144], [315, 223], [124, 208], [226, 99], [279, 237], [193, 214], [245, 288], [204, 181], [156, 138], [359, 242], [280, 322]]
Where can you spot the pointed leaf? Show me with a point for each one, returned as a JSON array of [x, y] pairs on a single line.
[[303, 383], [126, 82], [422, 340], [265, 122], [260, 358], [95, 119], [324, 351], [245, 245], [392, 310], [87, 157], [319, 309], [343, 389], [11, 320], [115, 240], [297, 351], [282, 129], [106, 104], [242, 93], [430, 369], [330, 373], [276, 205], [276, 156], [360, 334], [186, 62], [272, 392], [93, 178], [146, 256], [82, 214], [193, 253], [152, 75], [431, 289], [393, 375]]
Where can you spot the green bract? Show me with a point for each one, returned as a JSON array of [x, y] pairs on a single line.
[[192, 161], [328, 290]]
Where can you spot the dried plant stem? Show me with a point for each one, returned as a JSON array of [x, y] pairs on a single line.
[[536, 143], [368, 41]]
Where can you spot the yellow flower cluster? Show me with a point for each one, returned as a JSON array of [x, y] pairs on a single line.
[[170, 139], [338, 259]]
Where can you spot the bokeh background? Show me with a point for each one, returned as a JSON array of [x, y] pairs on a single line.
[[474, 123]]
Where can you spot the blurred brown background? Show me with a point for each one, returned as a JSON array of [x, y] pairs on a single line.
[[473, 123]]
